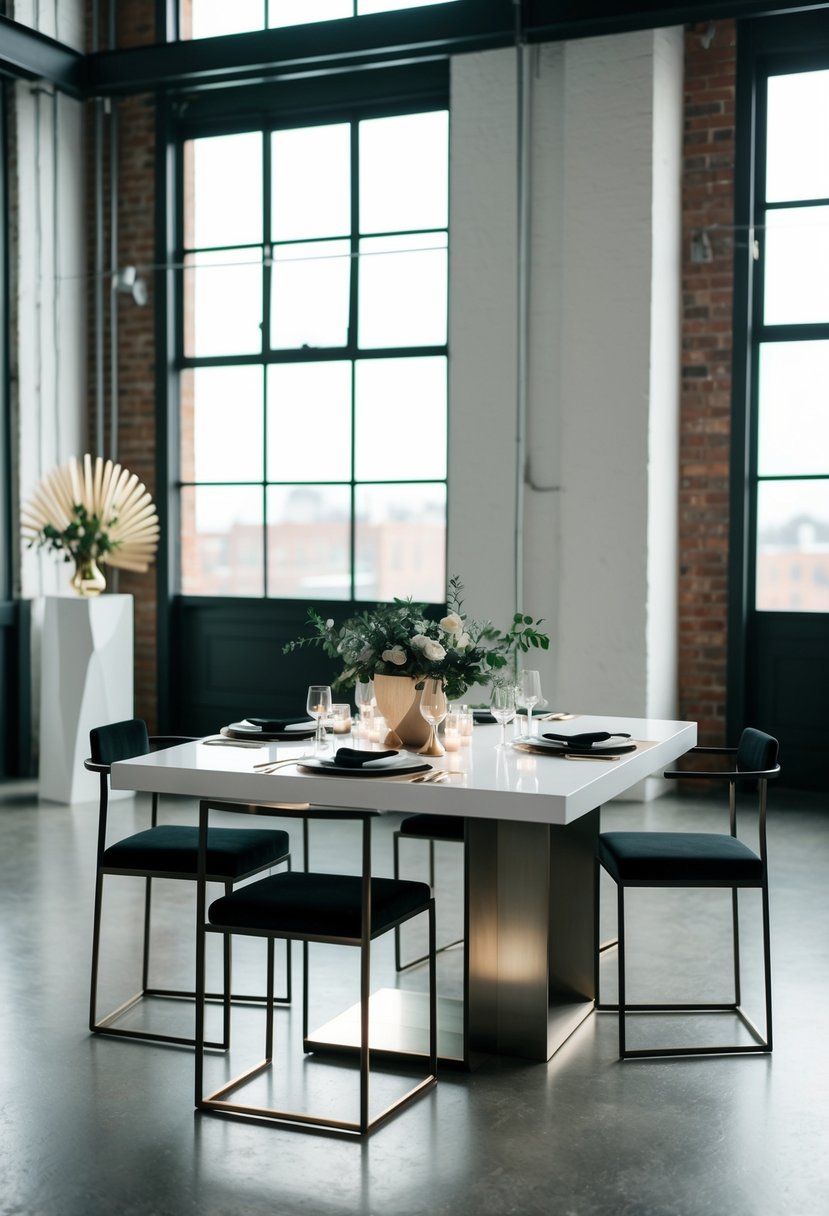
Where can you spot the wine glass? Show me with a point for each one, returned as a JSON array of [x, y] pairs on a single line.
[[433, 708], [364, 695], [528, 694], [502, 706], [319, 706]]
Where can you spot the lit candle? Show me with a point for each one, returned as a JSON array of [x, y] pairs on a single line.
[[451, 733]]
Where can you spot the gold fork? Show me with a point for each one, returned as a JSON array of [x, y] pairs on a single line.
[[269, 765]]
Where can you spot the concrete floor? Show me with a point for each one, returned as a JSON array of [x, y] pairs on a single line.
[[91, 1125]]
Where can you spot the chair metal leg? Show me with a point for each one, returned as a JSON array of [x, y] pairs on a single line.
[[423, 958], [365, 994], [269, 1005], [105, 1025], [735, 933], [767, 962], [762, 1043], [304, 991], [145, 957], [96, 948], [620, 905], [433, 994]]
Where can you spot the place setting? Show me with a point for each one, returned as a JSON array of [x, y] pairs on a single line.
[[343, 761], [597, 745]]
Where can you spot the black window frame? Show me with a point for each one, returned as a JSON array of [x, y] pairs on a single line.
[[788, 44], [415, 88]]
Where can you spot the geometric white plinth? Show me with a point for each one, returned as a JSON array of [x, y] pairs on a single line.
[[86, 680]]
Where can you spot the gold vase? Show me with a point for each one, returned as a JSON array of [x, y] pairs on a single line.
[[88, 579], [398, 699]]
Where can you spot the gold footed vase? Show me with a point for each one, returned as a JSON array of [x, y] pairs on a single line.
[[398, 700], [88, 579], [432, 746]]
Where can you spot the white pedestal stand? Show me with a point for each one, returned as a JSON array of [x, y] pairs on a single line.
[[86, 680]]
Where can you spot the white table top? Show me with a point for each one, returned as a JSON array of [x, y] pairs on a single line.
[[486, 782]]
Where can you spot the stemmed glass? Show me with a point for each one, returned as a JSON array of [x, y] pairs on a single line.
[[433, 707], [502, 706], [528, 694], [319, 706], [364, 695]]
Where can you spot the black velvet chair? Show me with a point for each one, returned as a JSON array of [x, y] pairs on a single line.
[[700, 859], [340, 909], [168, 851], [430, 828]]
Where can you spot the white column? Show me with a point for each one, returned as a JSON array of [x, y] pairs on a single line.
[[86, 681], [599, 526]]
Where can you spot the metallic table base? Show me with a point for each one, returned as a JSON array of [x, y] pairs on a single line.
[[531, 947], [531, 936]]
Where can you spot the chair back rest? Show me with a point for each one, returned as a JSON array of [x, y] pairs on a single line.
[[756, 751], [119, 741]]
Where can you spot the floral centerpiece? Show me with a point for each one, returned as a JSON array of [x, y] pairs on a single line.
[[93, 512], [400, 639]]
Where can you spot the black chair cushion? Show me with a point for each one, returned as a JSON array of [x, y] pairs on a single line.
[[324, 905], [756, 751], [678, 858], [174, 849], [441, 827], [119, 741]]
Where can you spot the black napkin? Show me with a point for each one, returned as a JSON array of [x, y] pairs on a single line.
[[352, 757], [269, 724], [585, 740]]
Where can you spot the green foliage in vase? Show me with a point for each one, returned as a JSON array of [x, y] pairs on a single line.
[[86, 537], [400, 639]]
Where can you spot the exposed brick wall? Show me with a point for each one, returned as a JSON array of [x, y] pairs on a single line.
[[136, 448], [705, 425]]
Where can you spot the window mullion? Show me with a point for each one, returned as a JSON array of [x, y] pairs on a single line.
[[353, 330]]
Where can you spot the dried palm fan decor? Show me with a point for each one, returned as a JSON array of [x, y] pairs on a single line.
[[93, 512]]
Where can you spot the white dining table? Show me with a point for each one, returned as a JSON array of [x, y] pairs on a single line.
[[531, 912]]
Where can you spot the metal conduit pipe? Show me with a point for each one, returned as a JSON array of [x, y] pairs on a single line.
[[113, 255], [99, 247], [113, 272], [523, 128]]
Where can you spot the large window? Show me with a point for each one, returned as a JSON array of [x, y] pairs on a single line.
[[792, 348], [313, 360], [212, 18]]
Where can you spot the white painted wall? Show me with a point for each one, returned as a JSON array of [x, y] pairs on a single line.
[[49, 265], [600, 513], [48, 268], [59, 19]]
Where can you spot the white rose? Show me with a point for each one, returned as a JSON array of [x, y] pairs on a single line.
[[452, 623], [396, 655], [419, 642], [433, 651], [463, 641], [329, 624]]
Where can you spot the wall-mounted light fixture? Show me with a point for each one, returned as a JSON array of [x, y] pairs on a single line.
[[127, 282]]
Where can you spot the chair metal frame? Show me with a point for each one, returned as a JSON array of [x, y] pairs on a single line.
[[398, 965], [216, 1102], [105, 1024], [762, 1043]]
